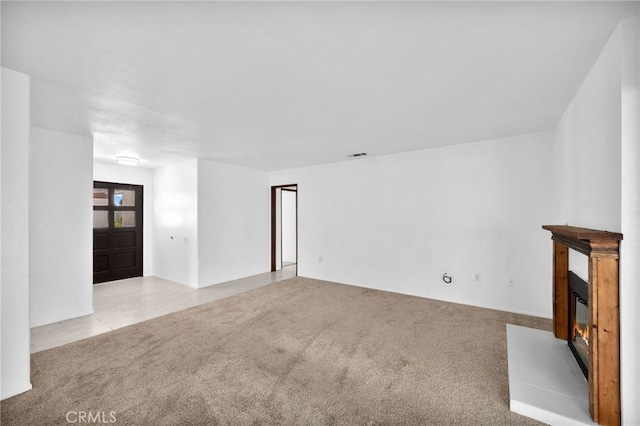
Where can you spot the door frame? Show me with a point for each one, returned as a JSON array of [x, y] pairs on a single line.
[[274, 222]]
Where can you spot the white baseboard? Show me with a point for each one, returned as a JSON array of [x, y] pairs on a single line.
[[16, 391]]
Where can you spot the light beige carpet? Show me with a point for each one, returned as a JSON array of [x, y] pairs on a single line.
[[299, 352]]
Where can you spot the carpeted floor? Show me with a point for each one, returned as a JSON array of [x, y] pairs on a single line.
[[299, 352]]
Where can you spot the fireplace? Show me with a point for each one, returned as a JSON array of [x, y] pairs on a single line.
[[578, 340], [596, 305]]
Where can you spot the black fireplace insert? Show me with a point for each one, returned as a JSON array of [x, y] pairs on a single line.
[[579, 321]]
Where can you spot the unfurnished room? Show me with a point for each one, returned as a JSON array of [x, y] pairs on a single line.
[[320, 212]]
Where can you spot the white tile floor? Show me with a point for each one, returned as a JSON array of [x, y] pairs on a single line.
[[120, 303], [545, 381]]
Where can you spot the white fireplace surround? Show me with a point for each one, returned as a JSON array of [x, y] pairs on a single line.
[[545, 381]]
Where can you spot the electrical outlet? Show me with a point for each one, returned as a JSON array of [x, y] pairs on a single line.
[[320, 259], [512, 282], [477, 276]]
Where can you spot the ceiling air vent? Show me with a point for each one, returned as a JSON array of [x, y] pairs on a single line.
[[359, 154]]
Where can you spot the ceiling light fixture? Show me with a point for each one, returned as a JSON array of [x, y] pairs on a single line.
[[127, 161]]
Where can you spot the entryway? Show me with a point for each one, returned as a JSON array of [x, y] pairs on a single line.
[[117, 304], [117, 231], [284, 227]]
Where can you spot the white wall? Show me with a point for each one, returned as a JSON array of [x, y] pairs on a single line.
[[211, 222], [14, 270], [61, 239], [175, 227], [399, 222], [288, 226], [630, 264], [587, 149], [136, 176], [596, 171], [233, 222]]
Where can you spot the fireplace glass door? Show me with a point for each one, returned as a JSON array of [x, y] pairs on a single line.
[[579, 321], [580, 333]]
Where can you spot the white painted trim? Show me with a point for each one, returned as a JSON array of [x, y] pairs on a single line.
[[16, 391]]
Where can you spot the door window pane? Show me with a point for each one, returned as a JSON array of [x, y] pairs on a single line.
[[100, 219], [124, 197], [124, 219], [100, 197]]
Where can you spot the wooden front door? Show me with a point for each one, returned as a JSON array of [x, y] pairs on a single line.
[[117, 231]]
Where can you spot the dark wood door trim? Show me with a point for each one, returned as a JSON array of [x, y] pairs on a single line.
[[274, 213]]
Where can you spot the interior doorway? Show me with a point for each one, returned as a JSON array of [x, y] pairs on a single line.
[[284, 227], [117, 231]]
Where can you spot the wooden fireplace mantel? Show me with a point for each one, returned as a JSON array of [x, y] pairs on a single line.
[[603, 250]]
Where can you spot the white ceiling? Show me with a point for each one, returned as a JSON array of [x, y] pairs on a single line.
[[277, 85]]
